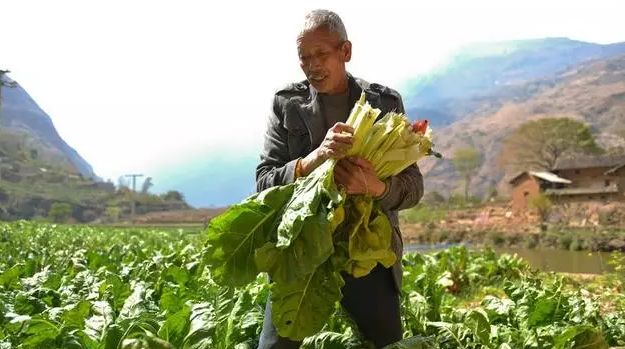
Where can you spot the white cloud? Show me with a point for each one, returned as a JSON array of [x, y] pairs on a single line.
[[131, 84]]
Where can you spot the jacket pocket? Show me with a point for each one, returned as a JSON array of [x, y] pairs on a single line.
[[298, 136]]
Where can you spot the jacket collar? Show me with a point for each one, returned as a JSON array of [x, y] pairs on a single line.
[[311, 113]]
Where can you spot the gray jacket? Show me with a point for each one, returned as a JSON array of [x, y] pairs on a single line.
[[295, 122]]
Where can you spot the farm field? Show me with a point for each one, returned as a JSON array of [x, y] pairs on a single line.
[[99, 287]]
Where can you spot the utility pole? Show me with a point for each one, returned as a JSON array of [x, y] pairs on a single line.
[[134, 190]]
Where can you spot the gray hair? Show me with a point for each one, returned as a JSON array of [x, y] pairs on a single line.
[[325, 19]]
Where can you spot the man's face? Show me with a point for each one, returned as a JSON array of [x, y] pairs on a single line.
[[322, 57]]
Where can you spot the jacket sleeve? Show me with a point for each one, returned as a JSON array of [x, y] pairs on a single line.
[[404, 190], [275, 166]]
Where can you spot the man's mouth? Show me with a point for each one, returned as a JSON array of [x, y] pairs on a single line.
[[317, 78]]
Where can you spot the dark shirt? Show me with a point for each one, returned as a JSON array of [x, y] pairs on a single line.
[[335, 108]]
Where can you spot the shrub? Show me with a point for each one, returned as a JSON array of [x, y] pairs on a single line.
[[60, 211], [542, 205], [423, 214]]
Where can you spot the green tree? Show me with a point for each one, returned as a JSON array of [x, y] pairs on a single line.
[[113, 212], [60, 211], [538, 144], [173, 195], [467, 161], [542, 205]]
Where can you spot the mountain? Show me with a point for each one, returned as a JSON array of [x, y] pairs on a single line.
[[21, 114], [475, 98], [42, 177], [592, 92], [475, 72]]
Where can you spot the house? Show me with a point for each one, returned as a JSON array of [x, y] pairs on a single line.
[[579, 179]]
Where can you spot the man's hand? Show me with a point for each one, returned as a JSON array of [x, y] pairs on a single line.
[[334, 145], [357, 176]]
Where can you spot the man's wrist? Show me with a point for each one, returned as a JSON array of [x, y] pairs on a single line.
[[298, 168], [308, 164], [378, 189]]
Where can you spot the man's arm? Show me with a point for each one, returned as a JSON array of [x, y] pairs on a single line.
[[275, 167], [406, 189]]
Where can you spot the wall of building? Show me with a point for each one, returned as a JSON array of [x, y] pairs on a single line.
[[594, 178], [587, 178], [600, 199], [620, 181], [523, 190]]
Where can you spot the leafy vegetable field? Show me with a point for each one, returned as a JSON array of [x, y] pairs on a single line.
[[84, 287]]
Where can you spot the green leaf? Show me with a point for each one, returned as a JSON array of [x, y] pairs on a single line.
[[581, 337], [312, 247], [541, 313], [112, 338], [302, 307], [102, 316], [146, 342], [175, 328], [234, 235], [481, 326], [328, 340], [415, 342], [115, 289], [202, 328], [370, 234], [11, 277], [310, 193], [139, 304], [75, 316], [40, 331]]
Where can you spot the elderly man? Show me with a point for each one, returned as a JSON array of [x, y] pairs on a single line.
[[306, 127]]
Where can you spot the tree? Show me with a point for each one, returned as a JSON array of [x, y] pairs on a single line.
[[122, 182], [542, 205], [467, 161], [147, 184], [60, 211], [173, 195], [539, 144]]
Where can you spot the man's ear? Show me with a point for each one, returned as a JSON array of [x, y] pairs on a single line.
[[346, 51]]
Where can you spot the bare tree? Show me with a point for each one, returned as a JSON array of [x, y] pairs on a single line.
[[539, 144], [147, 184], [467, 162]]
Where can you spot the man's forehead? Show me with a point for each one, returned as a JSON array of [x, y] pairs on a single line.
[[317, 37]]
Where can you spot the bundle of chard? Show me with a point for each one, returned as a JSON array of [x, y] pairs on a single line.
[[304, 234]]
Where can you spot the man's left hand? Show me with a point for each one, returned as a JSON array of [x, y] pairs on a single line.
[[357, 176]]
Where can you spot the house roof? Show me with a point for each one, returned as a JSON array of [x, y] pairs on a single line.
[[550, 177], [586, 161], [547, 176], [614, 169], [582, 191]]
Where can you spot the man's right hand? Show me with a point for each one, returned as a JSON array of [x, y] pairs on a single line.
[[336, 143]]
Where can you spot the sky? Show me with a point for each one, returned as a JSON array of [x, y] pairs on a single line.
[[131, 85]]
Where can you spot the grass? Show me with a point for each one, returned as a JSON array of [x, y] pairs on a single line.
[[423, 214]]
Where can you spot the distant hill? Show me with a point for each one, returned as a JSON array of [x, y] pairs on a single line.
[[592, 92], [475, 72], [42, 177], [20, 113]]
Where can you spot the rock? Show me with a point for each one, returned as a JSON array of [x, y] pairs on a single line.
[[617, 244]]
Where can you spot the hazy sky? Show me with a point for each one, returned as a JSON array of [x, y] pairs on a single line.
[[181, 77]]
